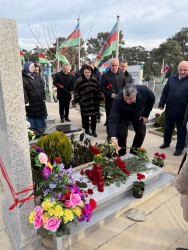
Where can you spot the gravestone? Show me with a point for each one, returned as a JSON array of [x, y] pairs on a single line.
[[151, 85], [14, 148], [158, 92]]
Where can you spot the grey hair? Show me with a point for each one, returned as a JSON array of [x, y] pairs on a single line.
[[130, 89], [123, 61]]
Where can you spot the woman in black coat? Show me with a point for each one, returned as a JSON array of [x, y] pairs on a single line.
[[87, 94], [34, 95]]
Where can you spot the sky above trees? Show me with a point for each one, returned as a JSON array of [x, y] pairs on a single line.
[[147, 23]]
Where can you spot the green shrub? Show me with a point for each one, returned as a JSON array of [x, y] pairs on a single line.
[[162, 124], [56, 144], [162, 120]]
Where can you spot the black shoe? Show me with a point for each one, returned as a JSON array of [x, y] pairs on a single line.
[[87, 132], [62, 120], [177, 152], [164, 145], [180, 248], [94, 133], [105, 124], [67, 119], [99, 120]]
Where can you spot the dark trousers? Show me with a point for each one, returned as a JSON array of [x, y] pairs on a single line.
[[108, 109], [85, 119], [122, 133], [64, 108], [181, 131]]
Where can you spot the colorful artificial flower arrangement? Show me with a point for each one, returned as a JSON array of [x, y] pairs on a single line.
[[63, 200], [31, 135], [158, 159], [139, 185]]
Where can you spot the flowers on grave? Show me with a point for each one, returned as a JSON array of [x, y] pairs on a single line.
[[139, 185], [31, 135], [158, 159], [63, 200], [105, 171], [141, 153]]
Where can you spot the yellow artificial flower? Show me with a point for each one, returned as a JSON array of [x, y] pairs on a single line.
[[32, 216], [45, 216], [58, 212], [49, 165], [77, 211], [47, 204], [99, 155], [68, 215]]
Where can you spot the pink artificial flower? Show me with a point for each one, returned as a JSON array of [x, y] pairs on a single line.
[[68, 203], [75, 200], [38, 211], [43, 158], [38, 221], [46, 172], [52, 223]]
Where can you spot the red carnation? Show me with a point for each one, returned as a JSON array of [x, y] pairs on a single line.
[[95, 150], [90, 191], [113, 176], [157, 154], [157, 114], [100, 189], [101, 183], [94, 182], [57, 159], [82, 172], [93, 203], [163, 156], [33, 147]]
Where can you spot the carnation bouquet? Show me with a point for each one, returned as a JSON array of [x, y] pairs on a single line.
[[158, 159], [63, 199]]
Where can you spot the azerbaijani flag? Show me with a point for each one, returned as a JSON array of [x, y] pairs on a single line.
[[108, 47], [105, 67], [22, 56], [63, 59], [72, 40], [74, 71], [42, 58]]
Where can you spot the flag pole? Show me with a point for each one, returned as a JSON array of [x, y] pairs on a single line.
[[79, 47], [56, 52], [117, 38]]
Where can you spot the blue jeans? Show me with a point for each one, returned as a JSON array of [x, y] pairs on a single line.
[[36, 122], [181, 131]]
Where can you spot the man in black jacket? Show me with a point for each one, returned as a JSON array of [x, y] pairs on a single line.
[[131, 106], [175, 96], [112, 82], [123, 67], [64, 83]]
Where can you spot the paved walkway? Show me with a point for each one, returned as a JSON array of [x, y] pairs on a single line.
[[164, 227]]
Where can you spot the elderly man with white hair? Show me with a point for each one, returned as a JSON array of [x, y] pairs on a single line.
[[112, 83], [175, 97]]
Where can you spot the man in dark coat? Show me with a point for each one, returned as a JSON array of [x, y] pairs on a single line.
[[175, 96], [112, 82], [64, 83], [131, 106], [123, 67]]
